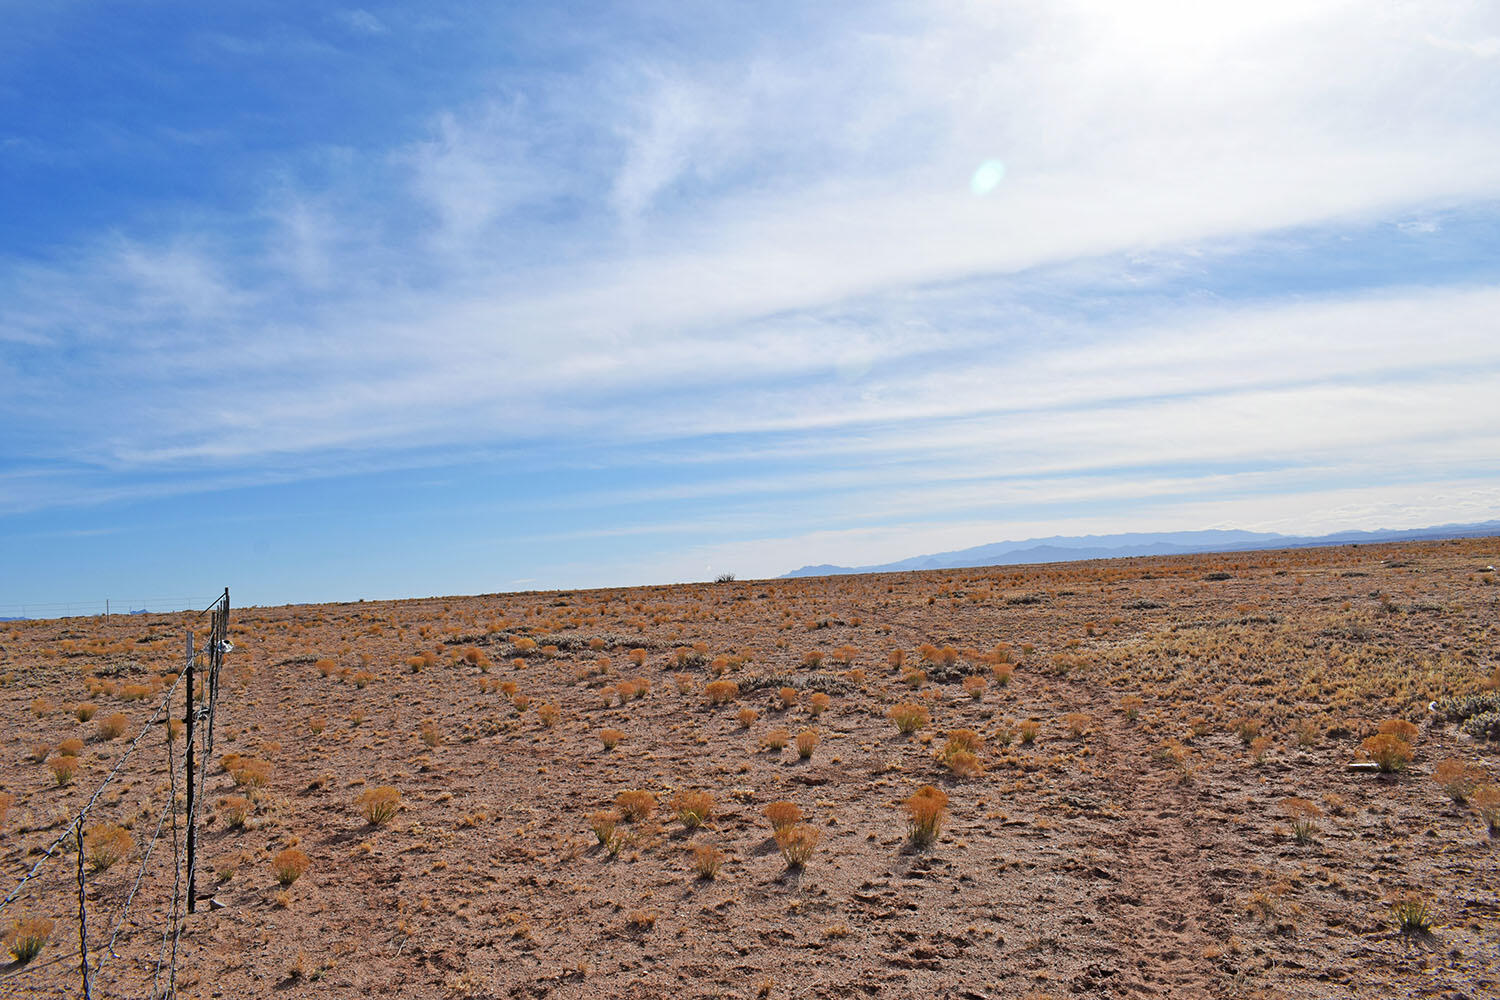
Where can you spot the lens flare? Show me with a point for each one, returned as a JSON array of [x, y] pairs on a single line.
[[987, 177]]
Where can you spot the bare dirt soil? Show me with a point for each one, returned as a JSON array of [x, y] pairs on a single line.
[[1186, 711]]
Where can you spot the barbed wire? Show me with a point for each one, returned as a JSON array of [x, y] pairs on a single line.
[[47, 853], [77, 828], [130, 898]]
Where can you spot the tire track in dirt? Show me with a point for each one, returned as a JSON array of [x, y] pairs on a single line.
[[1163, 912]]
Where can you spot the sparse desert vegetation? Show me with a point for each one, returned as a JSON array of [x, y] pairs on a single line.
[[1267, 774]]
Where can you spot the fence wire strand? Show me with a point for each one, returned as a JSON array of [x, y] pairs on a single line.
[[174, 926]]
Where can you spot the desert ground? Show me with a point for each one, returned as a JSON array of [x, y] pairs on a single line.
[[1139, 772]]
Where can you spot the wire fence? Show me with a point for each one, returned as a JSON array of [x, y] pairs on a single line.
[[44, 610], [94, 849]]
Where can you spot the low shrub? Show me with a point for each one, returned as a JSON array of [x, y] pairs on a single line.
[[908, 717], [603, 824], [789, 697], [85, 710], [114, 726], [26, 938], [105, 844], [1412, 914], [378, 805], [706, 861], [721, 692], [610, 738], [1486, 801], [1302, 812], [63, 769], [782, 814], [747, 717], [235, 809], [807, 742], [693, 808], [1389, 752], [925, 810], [776, 739], [289, 865], [1456, 779], [635, 804], [818, 704], [797, 843]]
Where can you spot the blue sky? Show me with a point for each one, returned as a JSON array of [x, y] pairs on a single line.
[[330, 302]]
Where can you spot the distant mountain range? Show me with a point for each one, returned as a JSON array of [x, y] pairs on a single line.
[[1061, 548]]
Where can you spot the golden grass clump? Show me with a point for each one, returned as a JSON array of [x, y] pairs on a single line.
[[603, 824], [807, 742], [1078, 724], [789, 697], [113, 727], [6, 801], [549, 715], [610, 738], [105, 844], [1302, 812], [635, 804], [1399, 728], [1457, 779], [706, 861], [378, 805], [85, 710], [235, 809], [39, 752], [775, 739], [251, 772], [908, 717], [818, 704], [1029, 730], [747, 717], [325, 667], [1486, 801], [430, 735], [289, 865], [1389, 752], [1412, 914], [974, 686], [783, 814], [693, 808], [26, 937], [721, 692], [925, 810], [63, 769], [1131, 705], [797, 843]]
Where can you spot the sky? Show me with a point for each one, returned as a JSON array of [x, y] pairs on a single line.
[[329, 303]]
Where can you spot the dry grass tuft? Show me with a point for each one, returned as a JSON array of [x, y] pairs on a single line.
[[114, 726], [1389, 752], [925, 810], [706, 861], [289, 865], [105, 844], [635, 804], [783, 814], [693, 808], [378, 805], [797, 843], [908, 717], [26, 938]]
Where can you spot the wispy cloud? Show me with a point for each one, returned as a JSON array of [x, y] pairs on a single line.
[[738, 255]]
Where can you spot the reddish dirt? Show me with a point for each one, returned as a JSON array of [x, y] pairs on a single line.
[[1137, 859]]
